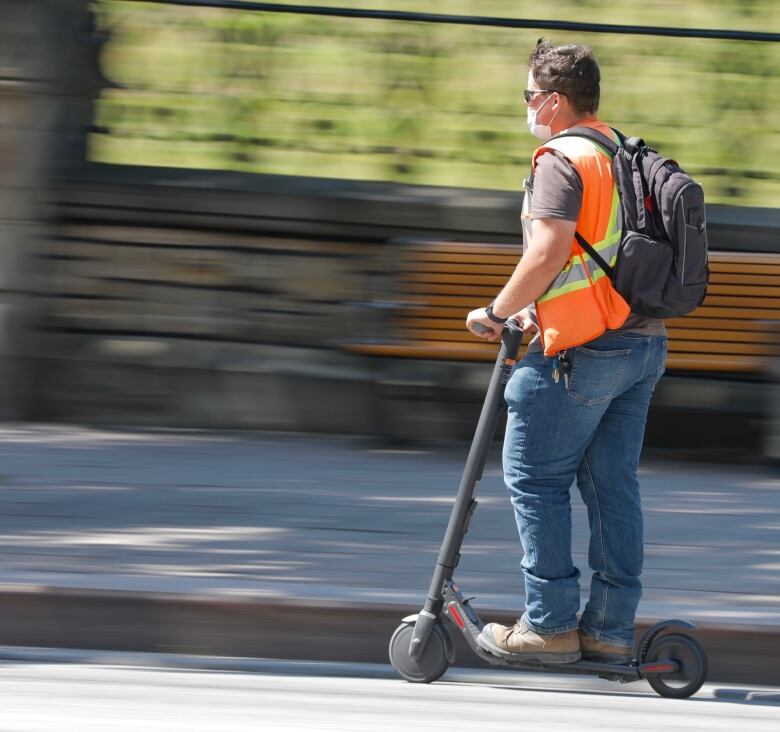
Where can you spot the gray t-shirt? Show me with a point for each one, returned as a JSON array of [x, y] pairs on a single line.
[[557, 194]]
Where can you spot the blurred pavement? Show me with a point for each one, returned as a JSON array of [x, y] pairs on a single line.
[[282, 696], [337, 521]]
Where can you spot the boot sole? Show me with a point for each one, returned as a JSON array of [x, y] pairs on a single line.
[[537, 657]]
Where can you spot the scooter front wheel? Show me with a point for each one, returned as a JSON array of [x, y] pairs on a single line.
[[435, 660], [692, 665]]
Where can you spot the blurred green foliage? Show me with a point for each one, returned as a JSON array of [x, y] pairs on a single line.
[[424, 103]]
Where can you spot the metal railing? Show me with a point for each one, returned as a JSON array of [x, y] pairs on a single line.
[[416, 17]]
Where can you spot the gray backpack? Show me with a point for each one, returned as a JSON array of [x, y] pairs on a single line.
[[661, 268]]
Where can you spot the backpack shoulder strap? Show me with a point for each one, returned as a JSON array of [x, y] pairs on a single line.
[[597, 258], [593, 135]]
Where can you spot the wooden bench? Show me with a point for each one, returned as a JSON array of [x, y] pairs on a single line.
[[733, 331]]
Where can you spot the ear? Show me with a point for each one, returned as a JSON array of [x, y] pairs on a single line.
[[560, 102]]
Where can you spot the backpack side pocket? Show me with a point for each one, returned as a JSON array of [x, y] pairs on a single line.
[[689, 220]]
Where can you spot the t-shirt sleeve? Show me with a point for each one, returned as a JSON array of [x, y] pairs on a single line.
[[557, 189]]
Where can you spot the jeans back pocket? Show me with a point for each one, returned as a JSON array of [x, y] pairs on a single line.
[[596, 376]]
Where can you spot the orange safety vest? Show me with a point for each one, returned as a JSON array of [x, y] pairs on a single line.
[[581, 302]]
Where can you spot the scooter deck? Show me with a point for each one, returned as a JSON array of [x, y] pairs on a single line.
[[627, 672]]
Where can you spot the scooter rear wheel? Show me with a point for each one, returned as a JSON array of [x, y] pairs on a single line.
[[435, 660], [689, 655]]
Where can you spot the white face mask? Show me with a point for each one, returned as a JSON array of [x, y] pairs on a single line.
[[543, 132]]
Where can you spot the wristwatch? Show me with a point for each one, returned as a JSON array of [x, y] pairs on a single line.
[[489, 312]]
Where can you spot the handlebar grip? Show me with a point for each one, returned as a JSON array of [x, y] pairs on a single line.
[[510, 324], [480, 328]]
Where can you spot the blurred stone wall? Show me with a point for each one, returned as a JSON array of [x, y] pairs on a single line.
[[26, 104], [48, 79], [213, 299]]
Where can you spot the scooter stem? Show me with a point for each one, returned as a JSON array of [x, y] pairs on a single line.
[[464, 505]]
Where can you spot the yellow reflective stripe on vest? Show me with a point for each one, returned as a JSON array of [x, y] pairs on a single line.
[[615, 225], [578, 284], [614, 228], [574, 276]]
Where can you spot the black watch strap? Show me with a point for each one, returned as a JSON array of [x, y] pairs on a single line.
[[489, 312]]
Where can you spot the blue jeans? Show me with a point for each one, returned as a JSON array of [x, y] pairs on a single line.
[[592, 429]]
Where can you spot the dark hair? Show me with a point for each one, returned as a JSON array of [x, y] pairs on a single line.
[[571, 70]]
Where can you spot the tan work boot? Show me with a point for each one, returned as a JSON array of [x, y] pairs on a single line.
[[523, 644], [596, 650]]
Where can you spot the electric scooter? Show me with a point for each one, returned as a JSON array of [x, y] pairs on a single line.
[[421, 648]]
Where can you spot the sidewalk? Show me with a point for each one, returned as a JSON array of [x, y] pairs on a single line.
[[96, 523]]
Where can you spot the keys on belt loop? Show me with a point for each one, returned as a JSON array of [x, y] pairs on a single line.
[[563, 366]]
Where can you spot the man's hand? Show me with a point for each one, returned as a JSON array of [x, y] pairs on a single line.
[[525, 320], [477, 318]]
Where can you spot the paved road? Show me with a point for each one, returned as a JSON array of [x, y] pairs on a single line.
[[282, 696], [284, 515]]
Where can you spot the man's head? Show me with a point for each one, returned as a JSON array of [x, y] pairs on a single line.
[[563, 84]]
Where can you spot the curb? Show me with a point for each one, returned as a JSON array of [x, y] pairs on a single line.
[[277, 628]]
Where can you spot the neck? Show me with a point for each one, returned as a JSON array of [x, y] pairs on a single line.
[[572, 120]]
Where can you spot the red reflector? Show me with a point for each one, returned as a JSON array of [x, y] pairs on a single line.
[[658, 667], [649, 203], [456, 616]]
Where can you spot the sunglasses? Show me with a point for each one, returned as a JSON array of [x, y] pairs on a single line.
[[528, 94]]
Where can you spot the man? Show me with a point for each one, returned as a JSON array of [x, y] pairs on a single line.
[[577, 402]]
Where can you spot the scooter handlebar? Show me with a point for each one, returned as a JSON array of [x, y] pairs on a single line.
[[511, 325], [514, 325], [511, 335], [479, 328]]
